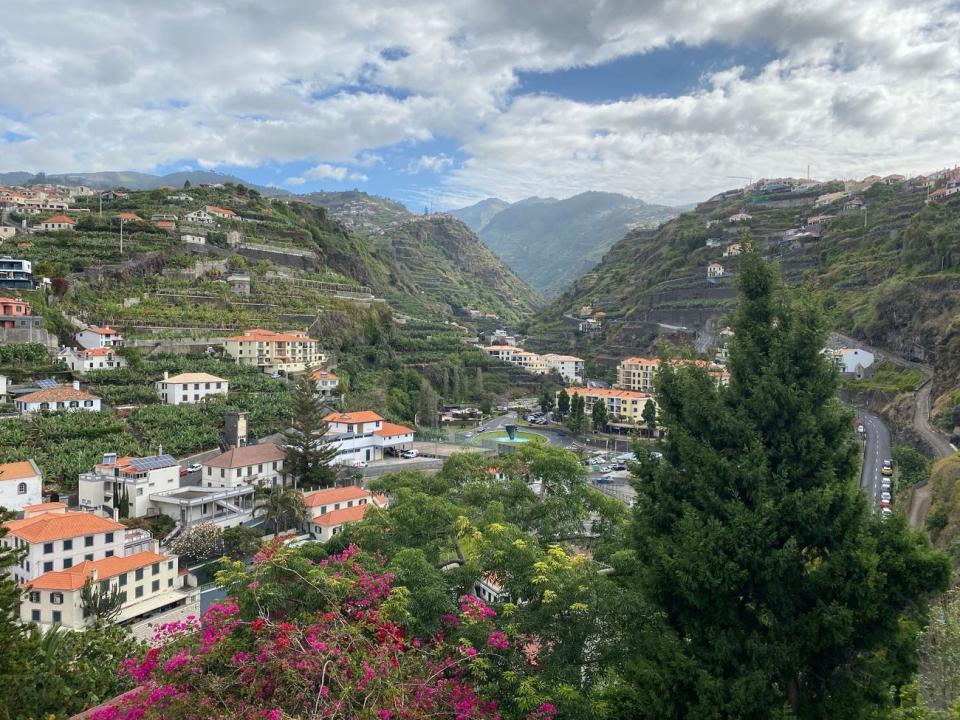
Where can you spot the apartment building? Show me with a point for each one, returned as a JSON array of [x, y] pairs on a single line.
[[365, 436], [190, 388], [626, 406], [275, 352], [11, 310], [330, 509], [129, 481], [639, 373], [16, 273], [83, 361], [21, 485], [569, 367]]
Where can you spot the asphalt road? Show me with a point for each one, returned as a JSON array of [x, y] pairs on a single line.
[[876, 450]]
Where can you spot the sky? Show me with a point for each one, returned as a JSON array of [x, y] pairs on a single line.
[[441, 104]]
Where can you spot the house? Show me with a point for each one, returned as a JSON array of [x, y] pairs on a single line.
[[127, 484], [330, 509], [16, 273], [489, 589], [364, 436], [624, 406], [590, 326], [166, 225], [830, 198], [732, 250], [713, 242], [739, 218], [854, 204], [129, 217], [193, 239], [157, 217], [325, 383], [569, 367], [67, 398], [943, 193], [275, 352], [96, 337], [190, 388], [21, 484], [852, 362], [147, 582], [7, 232], [199, 217], [894, 179], [712, 223], [3, 388], [114, 195], [220, 212], [179, 197], [83, 361], [501, 337], [245, 466], [715, 270], [239, 284], [815, 225], [57, 222], [11, 309]]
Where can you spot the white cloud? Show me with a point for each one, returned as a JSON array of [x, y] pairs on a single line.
[[857, 88], [432, 163], [359, 177], [294, 181]]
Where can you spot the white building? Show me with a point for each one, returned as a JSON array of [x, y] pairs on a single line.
[[364, 436], [220, 212], [95, 337], [190, 388], [131, 481], [193, 239], [57, 222], [3, 387], [325, 382], [739, 217], [199, 217], [853, 362], [715, 270], [732, 250], [21, 485], [329, 510], [569, 367], [245, 467], [290, 352], [68, 398], [83, 361]]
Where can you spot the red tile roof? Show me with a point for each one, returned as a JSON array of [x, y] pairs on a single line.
[[334, 495], [363, 416], [247, 455], [47, 506], [100, 331], [261, 335], [322, 375], [73, 578], [57, 526], [17, 470], [60, 219], [391, 430], [57, 394], [345, 515]]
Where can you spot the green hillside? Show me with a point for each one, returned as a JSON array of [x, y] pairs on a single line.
[[550, 243], [477, 216]]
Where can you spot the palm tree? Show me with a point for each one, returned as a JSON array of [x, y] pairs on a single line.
[[281, 507]]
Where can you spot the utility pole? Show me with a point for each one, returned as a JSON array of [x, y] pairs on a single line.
[[121, 236], [100, 195]]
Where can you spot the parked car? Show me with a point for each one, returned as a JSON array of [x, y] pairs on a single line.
[[606, 469], [468, 435], [360, 464], [887, 512], [196, 467], [597, 461], [887, 467], [619, 467], [183, 471], [605, 480], [885, 497], [409, 454]]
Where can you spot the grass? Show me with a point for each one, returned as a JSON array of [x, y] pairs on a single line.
[[497, 434], [887, 379]]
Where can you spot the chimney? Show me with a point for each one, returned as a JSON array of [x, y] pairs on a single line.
[[76, 384], [166, 375]]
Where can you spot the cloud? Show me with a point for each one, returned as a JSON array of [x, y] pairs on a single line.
[[854, 89], [294, 181], [431, 163]]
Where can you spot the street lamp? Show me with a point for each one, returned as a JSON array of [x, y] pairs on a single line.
[[121, 236]]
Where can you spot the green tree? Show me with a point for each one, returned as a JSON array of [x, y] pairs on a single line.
[[576, 421], [599, 416], [98, 603], [778, 592], [563, 404], [546, 401], [427, 404], [281, 508], [9, 598], [240, 543], [911, 466], [308, 452], [649, 416], [429, 598]]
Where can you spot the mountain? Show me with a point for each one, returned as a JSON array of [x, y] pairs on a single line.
[[133, 180], [360, 211], [478, 215], [550, 243]]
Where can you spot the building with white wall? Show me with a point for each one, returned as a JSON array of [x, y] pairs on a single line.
[[289, 352], [569, 367], [129, 481], [83, 361], [65, 398], [246, 466], [853, 362], [190, 388], [96, 337], [330, 509], [326, 383], [364, 436], [21, 485]]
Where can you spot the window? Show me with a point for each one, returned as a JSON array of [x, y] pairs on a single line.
[[104, 586], [22, 489], [68, 544], [74, 403], [123, 580], [56, 598], [156, 569], [123, 596], [139, 592], [67, 563], [88, 556], [109, 538], [109, 553], [88, 403], [56, 617], [35, 615], [48, 566], [34, 596], [47, 548], [155, 587], [88, 541], [139, 574]]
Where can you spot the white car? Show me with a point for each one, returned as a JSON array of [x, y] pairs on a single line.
[[468, 435], [605, 469], [409, 454], [886, 512], [885, 497], [194, 468]]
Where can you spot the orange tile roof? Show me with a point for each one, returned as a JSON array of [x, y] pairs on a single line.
[[246, 455], [73, 578], [61, 219], [100, 331], [129, 216], [13, 300], [262, 335], [57, 526], [17, 470], [322, 375], [345, 515], [96, 352], [217, 209], [640, 361], [199, 377], [392, 430], [334, 495], [45, 506], [608, 392], [57, 394], [363, 416]]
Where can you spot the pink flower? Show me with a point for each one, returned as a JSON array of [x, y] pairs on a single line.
[[177, 661], [498, 640], [254, 585]]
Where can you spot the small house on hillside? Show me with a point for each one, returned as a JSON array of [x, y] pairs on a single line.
[[57, 222]]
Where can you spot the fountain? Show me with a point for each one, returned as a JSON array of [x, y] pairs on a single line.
[[511, 436]]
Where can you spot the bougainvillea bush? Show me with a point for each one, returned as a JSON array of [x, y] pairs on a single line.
[[327, 639]]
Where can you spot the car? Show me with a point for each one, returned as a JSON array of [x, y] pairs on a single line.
[[887, 467], [606, 469], [597, 461], [468, 435], [359, 464], [196, 467], [605, 480], [409, 454], [887, 512], [183, 471], [619, 467], [885, 497]]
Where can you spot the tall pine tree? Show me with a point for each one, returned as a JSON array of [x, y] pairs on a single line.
[[772, 589], [308, 453]]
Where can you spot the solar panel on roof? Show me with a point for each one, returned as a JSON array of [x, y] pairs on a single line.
[[153, 463], [47, 384]]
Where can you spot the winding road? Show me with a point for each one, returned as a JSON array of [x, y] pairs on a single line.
[[876, 450]]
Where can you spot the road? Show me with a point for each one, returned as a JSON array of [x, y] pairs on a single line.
[[876, 450]]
